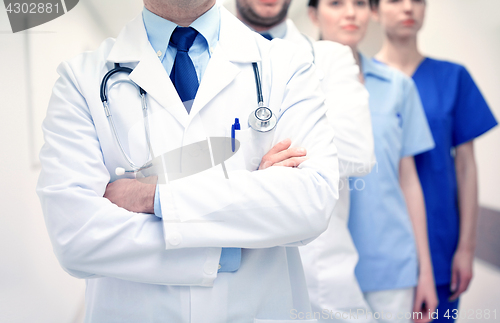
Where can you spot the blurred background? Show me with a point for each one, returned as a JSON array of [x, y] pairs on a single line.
[[33, 287]]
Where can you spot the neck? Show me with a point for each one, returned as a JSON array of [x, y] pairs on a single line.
[[402, 54], [358, 62], [182, 13], [356, 55]]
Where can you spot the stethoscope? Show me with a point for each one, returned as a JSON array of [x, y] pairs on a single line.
[[261, 120]]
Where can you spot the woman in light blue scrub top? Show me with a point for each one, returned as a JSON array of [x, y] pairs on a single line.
[[387, 216], [457, 114]]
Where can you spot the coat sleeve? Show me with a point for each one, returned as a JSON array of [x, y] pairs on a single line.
[[276, 206], [91, 236], [348, 110]]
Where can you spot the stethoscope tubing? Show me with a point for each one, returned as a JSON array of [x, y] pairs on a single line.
[[142, 93], [260, 98]]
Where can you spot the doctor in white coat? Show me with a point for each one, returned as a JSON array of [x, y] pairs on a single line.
[[142, 268], [328, 261]]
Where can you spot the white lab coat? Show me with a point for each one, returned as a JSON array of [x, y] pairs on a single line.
[[329, 261], [140, 268]]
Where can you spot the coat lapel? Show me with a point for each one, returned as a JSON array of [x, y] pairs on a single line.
[[236, 45], [152, 77], [131, 46], [220, 73]]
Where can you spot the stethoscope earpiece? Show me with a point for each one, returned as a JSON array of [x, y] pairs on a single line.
[[119, 171]]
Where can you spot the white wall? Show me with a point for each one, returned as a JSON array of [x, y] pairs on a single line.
[[33, 287], [29, 273]]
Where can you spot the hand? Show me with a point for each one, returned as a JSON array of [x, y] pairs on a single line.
[[426, 300], [280, 155], [461, 272], [132, 195]]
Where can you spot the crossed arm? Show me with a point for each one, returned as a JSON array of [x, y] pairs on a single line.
[[137, 196]]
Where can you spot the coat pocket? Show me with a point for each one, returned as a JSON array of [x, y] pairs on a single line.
[[253, 145]]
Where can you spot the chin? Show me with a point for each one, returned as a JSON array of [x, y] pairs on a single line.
[[350, 40], [403, 32], [406, 33], [267, 11], [352, 44], [339, 38]]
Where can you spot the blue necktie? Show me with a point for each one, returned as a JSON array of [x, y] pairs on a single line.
[[267, 36], [185, 80], [183, 73]]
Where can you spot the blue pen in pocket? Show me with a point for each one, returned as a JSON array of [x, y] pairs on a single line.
[[234, 127]]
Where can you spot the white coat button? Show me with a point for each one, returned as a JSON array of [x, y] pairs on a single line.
[[210, 269], [159, 53], [175, 238]]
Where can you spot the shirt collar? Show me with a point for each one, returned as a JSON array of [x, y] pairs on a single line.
[[373, 68], [207, 28], [159, 30], [278, 31]]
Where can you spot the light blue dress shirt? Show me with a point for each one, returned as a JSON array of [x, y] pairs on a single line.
[[159, 31], [278, 31], [379, 221]]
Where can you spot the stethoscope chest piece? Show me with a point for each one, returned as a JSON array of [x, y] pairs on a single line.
[[262, 119]]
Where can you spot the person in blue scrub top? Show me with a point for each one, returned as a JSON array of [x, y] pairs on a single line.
[[457, 114], [387, 217]]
